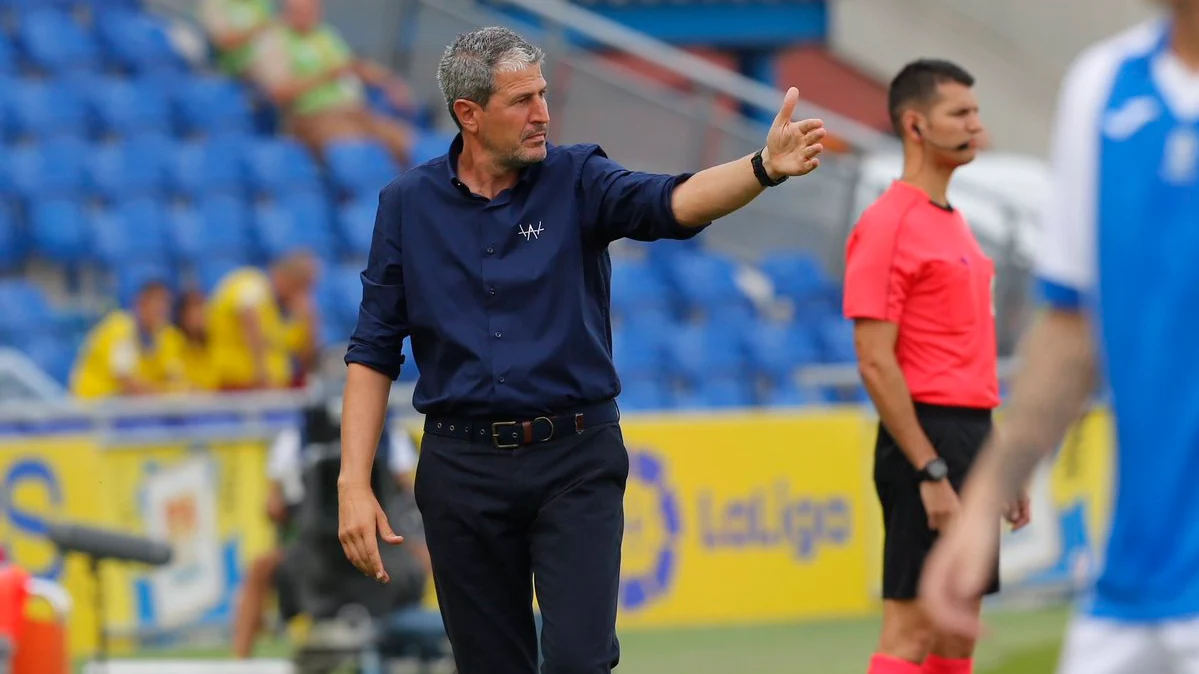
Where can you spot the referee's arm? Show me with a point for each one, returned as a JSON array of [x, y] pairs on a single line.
[[874, 341]]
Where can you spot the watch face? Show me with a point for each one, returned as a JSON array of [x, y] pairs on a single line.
[[936, 469]]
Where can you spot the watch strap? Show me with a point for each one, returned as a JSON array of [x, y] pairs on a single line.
[[761, 174]]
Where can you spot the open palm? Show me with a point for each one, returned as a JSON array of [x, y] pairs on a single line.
[[793, 148]]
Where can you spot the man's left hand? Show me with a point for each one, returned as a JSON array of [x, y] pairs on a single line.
[[792, 148]]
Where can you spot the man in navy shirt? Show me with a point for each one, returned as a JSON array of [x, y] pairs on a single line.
[[494, 261]]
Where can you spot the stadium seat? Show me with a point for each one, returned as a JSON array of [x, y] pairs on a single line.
[[54, 354], [790, 394], [212, 105], [136, 42], [836, 341], [359, 167], [207, 167], [60, 232], [409, 372], [278, 165], [130, 232], [211, 271], [638, 355], [430, 145], [777, 350], [12, 245], [46, 109], [8, 57], [706, 283], [53, 168], [696, 353], [798, 277], [24, 312], [53, 42], [135, 167], [356, 225], [717, 392], [637, 287], [644, 396], [122, 107], [301, 220], [217, 227]]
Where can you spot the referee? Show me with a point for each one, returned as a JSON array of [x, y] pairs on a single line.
[[919, 289], [493, 259]]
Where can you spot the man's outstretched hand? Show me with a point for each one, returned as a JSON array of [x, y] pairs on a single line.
[[359, 518], [792, 148]]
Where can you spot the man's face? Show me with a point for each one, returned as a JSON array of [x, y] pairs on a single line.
[[304, 15], [953, 130], [154, 308], [515, 123]]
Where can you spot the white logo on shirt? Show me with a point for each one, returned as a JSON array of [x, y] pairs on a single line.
[[1123, 123], [530, 232]]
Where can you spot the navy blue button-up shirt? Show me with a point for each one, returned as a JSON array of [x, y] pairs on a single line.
[[506, 301]]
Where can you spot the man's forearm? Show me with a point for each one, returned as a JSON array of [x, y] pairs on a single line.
[[363, 412], [1052, 386], [892, 398], [715, 192]]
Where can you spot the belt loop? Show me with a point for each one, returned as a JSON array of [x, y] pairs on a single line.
[[579, 422]]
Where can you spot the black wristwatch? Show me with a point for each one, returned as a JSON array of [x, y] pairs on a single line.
[[934, 471], [761, 174]]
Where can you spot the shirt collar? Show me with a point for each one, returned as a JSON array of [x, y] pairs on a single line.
[[526, 175]]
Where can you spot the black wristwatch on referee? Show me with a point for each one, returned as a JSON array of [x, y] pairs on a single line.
[[934, 471], [761, 174]]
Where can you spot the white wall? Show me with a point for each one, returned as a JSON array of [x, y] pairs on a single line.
[[1017, 49]]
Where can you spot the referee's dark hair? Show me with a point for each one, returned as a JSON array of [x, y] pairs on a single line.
[[917, 84]]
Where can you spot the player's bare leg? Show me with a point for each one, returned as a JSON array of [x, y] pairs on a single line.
[[951, 654], [906, 639]]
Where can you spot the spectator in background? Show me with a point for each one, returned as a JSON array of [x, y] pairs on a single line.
[[130, 352], [191, 332], [307, 69], [232, 26], [262, 325]]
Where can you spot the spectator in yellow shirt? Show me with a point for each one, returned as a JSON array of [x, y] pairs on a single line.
[[195, 352], [262, 325], [130, 352]]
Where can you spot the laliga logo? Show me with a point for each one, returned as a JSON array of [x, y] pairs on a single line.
[[652, 528]]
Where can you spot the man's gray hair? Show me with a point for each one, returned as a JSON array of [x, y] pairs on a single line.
[[468, 67]]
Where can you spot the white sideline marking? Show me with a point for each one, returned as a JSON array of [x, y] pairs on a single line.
[[190, 667]]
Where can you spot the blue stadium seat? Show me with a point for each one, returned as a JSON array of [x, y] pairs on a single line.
[[790, 394], [696, 353], [409, 372], [637, 287], [24, 312], [356, 225], [799, 277], [8, 57], [208, 166], [8, 124], [645, 395], [12, 244], [53, 168], [359, 167], [130, 232], [54, 42], [430, 145], [217, 227], [137, 42], [638, 355], [124, 107], [777, 350], [60, 232], [211, 105], [279, 165], [302, 220], [45, 109], [210, 271], [55, 356], [706, 283], [718, 392], [836, 341], [135, 167]]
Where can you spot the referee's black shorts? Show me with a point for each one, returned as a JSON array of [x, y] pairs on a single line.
[[958, 434]]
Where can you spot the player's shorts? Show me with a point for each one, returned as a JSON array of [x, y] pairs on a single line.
[[1096, 646], [957, 433]]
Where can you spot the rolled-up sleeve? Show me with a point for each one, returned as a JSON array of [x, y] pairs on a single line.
[[383, 314], [621, 203]]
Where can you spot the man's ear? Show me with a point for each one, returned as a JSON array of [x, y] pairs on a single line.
[[468, 114], [910, 122]]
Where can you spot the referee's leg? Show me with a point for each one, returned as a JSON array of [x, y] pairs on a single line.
[[479, 550], [576, 549]]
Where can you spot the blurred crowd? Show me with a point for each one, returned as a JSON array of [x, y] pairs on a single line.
[[303, 66], [257, 330]]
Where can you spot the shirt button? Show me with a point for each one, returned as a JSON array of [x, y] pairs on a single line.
[[490, 250], [501, 380], [498, 335], [491, 291]]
